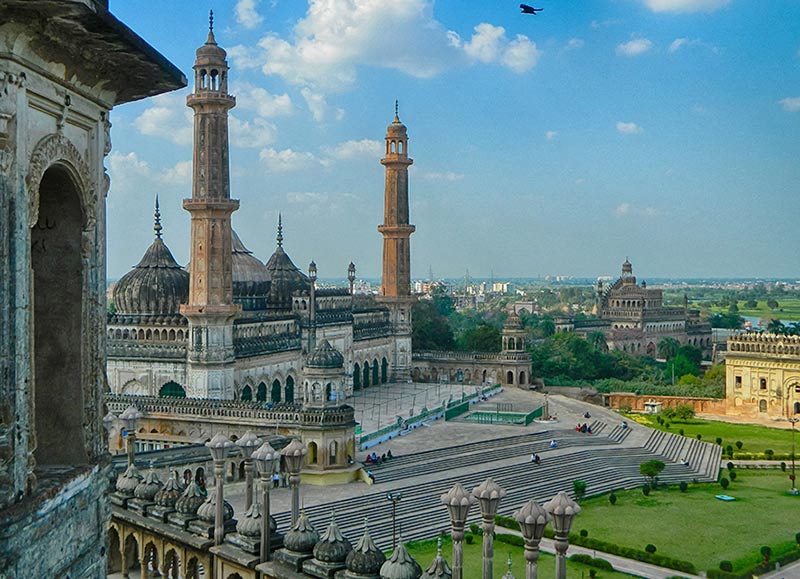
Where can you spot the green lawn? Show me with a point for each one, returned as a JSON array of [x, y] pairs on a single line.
[[755, 438], [425, 551], [789, 309], [696, 527]]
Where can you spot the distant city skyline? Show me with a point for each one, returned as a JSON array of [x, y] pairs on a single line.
[[665, 131]]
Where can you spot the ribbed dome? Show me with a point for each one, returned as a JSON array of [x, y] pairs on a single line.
[[333, 547], [286, 277], [191, 500], [208, 510], [157, 285], [169, 495], [366, 558], [401, 565], [250, 524], [302, 537], [251, 279], [438, 569], [325, 356], [147, 489], [129, 480]]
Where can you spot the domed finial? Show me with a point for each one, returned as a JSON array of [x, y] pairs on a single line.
[[211, 39], [396, 111], [280, 231], [157, 225]]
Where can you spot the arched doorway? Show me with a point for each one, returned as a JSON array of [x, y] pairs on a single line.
[[312, 453], [247, 393], [275, 396], [130, 557], [366, 374], [356, 376], [509, 377], [172, 390], [289, 397], [333, 452], [522, 377], [172, 565], [762, 405], [114, 552], [375, 371], [58, 301], [261, 393], [385, 371]]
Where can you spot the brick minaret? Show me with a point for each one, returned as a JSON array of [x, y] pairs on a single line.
[[396, 230], [210, 310]]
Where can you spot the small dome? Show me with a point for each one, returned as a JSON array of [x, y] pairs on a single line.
[[627, 268], [157, 285], [169, 495], [438, 569], [210, 51], [325, 356], [191, 500], [250, 524], [366, 558], [251, 279], [513, 321], [147, 489], [208, 510], [286, 277], [130, 479], [333, 547], [401, 565], [302, 537]]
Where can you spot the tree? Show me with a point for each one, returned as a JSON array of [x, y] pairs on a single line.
[[732, 321], [651, 469], [579, 488], [751, 304], [684, 412], [598, 341], [547, 327], [484, 338], [668, 348], [766, 553], [772, 304], [776, 327], [430, 330]]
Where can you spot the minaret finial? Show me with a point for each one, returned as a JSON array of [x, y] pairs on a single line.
[[211, 39], [397, 110], [157, 224], [280, 231]]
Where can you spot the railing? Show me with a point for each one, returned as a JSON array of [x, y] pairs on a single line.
[[466, 357], [257, 345], [370, 331], [133, 349], [758, 343]]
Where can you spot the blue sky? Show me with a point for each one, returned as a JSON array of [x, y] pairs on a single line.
[[667, 131]]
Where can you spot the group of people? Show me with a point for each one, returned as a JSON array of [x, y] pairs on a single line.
[[584, 428], [535, 458], [375, 459]]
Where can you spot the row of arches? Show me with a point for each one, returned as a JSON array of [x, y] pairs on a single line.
[[275, 392], [366, 375], [162, 335], [130, 556]]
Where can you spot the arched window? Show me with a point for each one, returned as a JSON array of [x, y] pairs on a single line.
[[312, 453], [289, 397], [797, 407], [261, 393], [762, 383], [276, 391], [328, 392], [384, 371], [333, 451], [247, 393], [375, 370], [356, 377], [762, 405], [366, 374], [172, 390]]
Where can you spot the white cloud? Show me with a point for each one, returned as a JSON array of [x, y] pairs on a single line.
[[685, 5], [791, 104], [634, 47], [168, 118], [318, 105], [680, 43], [574, 44], [351, 149], [629, 128], [598, 24], [625, 209], [446, 176], [178, 174], [287, 160], [264, 103], [551, 135], [127, 171], [489, 44], [247, 15], [251, 134]]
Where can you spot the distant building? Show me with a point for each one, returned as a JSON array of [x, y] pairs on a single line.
[[762, 376], [634, 318]]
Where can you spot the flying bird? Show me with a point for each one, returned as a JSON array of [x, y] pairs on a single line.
[[529, 9]]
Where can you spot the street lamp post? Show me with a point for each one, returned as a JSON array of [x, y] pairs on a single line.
[[294, 453], [129, 417], [394, 498], [488, 495], [265, 457], [248, 444], [218, 446], [532, 519], [794, 491], [562, 511], [458, 502]]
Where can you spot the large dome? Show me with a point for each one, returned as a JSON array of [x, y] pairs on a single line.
[[286, 277], [157, 285], [251, 279]]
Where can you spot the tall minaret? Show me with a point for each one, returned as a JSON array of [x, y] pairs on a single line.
[[210, 310], [396, 230]]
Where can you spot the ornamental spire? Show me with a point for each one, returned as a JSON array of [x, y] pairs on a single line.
[[157, 224], [280, 231], [211, 39]]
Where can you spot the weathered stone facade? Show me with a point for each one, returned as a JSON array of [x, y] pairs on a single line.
[[762, 376], [63, 66]]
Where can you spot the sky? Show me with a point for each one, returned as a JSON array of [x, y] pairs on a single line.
[[665, 131]]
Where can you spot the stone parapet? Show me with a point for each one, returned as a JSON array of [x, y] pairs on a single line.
[[432, 355]]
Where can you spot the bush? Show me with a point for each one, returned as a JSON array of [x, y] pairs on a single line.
[[769, 452], [718, 440], [650, 548], [797, 538], [469, 538], [646, 490], [729, 451], [724, 483], [579, 488], [739, 445], [584, 533], [684, 486], [729, 466], [592, 573], [473, 528], [612, 498], [667, 425], [680, 432], [699, 437], [507, 522], [638, 555], [783, 466], [515, 540], [732, 474], [726, 566]]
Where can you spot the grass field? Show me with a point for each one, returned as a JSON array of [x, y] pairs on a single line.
[[425, 551], [696, 527], [789, 310], [755, 439]]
